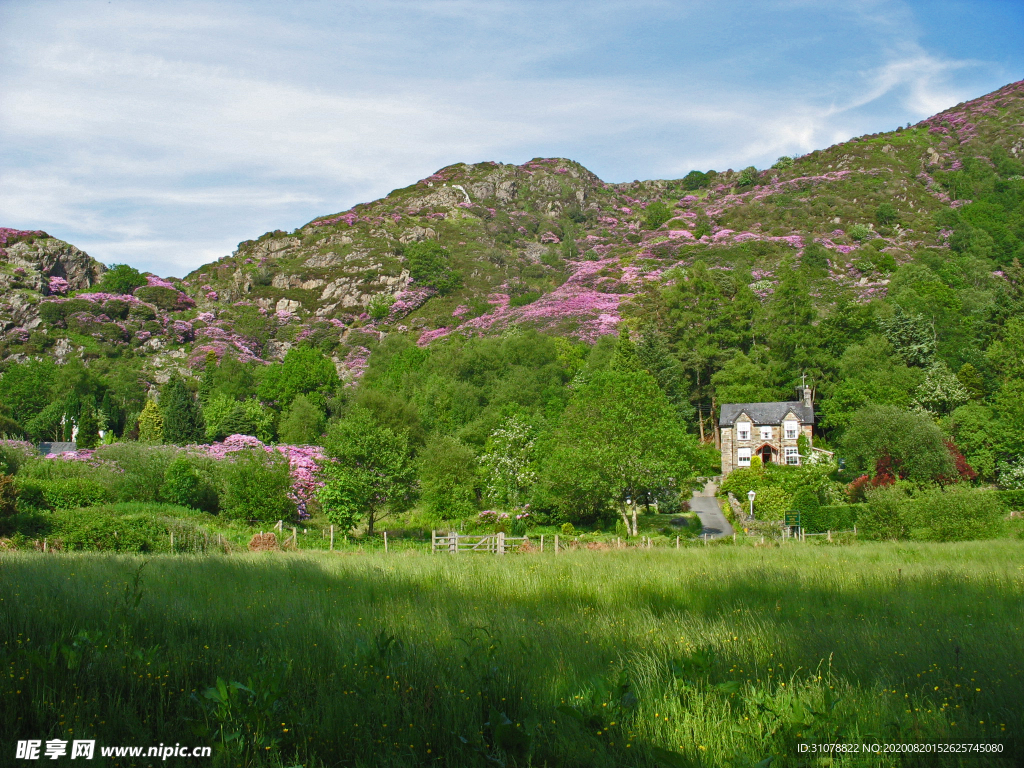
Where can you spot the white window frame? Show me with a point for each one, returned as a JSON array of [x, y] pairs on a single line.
[[792, 430], [792, 456], [743, 457], [766, 433], [743, 431]]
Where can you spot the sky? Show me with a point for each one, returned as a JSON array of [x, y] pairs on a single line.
[[161, 134]]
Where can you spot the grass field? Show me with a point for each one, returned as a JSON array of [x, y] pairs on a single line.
[[710, 656]]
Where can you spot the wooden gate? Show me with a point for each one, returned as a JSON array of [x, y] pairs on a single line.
[[454, 542]]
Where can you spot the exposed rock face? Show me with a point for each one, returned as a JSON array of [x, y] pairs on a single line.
[[47, 257]]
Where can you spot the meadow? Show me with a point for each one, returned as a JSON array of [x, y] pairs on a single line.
[[706, 656]]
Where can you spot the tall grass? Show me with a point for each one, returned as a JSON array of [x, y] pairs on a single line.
[[710, 656]]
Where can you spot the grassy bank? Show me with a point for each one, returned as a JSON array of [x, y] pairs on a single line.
[[708, 656]]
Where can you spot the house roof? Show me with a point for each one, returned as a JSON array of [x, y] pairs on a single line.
[[765, 413], [49, 448]]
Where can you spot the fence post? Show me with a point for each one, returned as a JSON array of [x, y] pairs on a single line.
[[172, 542], [556, 543], [734, 537], [385, 542], [542, 542], [295, 538], [855, 529], [332, 537], [433, 540], [453, 542], [677, 542], [829, 534], [501, 543]]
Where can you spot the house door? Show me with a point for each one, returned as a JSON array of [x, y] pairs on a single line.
[[766, 454]]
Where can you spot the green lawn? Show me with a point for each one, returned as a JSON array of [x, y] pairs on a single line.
[[715, 655]]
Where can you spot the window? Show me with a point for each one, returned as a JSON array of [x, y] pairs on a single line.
[[766, 433], [792, 456], [743, 431], [743, 457], [792, 429]]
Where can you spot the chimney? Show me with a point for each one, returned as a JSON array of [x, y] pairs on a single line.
[[807, 397]]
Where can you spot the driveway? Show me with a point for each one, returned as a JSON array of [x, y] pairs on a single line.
[[706, 506]]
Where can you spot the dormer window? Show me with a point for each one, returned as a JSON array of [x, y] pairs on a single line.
[[766, 433], [743, 431], [792, 430]]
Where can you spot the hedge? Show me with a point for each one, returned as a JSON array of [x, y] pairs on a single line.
[[838, 517], [1012, 500]]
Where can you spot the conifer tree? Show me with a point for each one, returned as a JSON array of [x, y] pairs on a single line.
[[183, 418], [151, 423], [88, 428]]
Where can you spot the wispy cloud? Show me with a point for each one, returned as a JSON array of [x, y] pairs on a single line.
[[162, 135]]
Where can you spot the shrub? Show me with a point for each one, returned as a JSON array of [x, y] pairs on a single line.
[[8, 496], [655, 215], [72, 492], [837, 517], [860, 232], [142, 469], [256, 486], [121, 278], [748, 177], [783, 162], [120, 528], [1013, 500], [886, 215], [184, 486], [695, 180], [887, 514], [524, 298], [957, 513], [568, 529], [164, 298], [380, 306]]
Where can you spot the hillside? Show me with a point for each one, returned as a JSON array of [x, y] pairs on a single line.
[[719, 261]]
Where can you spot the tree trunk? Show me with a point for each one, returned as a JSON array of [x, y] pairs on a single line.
[[625, 517], [635, 529]]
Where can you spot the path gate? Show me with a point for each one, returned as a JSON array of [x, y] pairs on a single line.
[[454, 542]]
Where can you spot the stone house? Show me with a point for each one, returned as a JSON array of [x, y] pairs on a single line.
[[768, 430]]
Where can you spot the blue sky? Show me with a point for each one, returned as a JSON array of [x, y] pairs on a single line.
[[162, 134]]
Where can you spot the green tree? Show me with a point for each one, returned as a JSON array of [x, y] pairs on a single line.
[[182, 484], [618, 438], [121, 278], [940, 392], [305, 371], [886, 215], [373, 475], [430, 264], [182, 415], [27, 388], [695, 180], [910, 443], [303, 423], [256, 486], [88, 428], [741, 380], [151, 423], [656, 214], [508, 463], [447, 472]]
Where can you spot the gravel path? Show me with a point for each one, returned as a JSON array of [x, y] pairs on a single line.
[[706, 506]]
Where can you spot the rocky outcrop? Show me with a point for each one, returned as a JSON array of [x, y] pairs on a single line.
[[44, 257]]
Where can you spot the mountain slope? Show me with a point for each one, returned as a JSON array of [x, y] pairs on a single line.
[[544, 244]]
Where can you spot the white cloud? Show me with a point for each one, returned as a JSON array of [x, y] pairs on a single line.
[[165, 136]]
